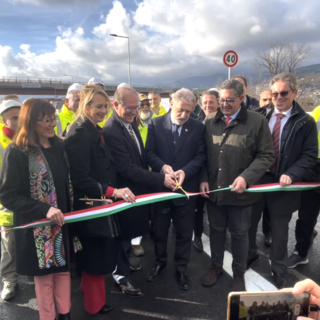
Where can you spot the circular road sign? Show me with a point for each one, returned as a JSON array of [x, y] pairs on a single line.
[[230, 58]]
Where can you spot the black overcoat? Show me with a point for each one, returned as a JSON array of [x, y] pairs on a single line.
[[91, 163], [15, 195], [132, 172]]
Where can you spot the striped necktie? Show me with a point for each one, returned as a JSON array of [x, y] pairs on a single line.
[[276, 138], [132, 134]]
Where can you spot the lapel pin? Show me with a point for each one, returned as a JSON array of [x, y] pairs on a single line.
[[186, 130]]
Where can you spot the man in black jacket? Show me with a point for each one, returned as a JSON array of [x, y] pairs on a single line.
[[176, 144], [122, 136], [250, 102], [296, 149]]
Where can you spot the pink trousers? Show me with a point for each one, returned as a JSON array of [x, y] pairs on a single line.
[[53, 288]]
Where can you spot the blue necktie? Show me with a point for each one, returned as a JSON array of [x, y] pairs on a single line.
[[176, 135]]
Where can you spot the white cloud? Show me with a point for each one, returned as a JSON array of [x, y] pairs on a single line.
[[169, 39], [255, 29]]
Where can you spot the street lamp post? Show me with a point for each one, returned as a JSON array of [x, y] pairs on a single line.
[[68, 75], [129, 72]]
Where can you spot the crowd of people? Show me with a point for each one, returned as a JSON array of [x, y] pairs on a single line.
[[101, 150]]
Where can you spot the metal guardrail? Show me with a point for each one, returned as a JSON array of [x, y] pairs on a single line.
[[60, 81]]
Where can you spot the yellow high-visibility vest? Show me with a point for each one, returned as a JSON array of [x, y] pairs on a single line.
[[316, 115], [6, 216]]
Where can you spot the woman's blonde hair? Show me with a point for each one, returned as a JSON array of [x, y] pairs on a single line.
[[86, 96]]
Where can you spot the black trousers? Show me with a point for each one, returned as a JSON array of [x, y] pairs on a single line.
[[281, 206], [122, 272], [237, 220], [266, 222], [308, 215], [198, 219], [183, 221]]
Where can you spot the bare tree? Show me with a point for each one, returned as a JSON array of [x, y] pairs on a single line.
[[282, 56]]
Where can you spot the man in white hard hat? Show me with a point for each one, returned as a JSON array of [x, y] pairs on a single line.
[[9, 111], [97, 81], [66, 115]]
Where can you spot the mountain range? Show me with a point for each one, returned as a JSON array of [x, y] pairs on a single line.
[[209, 81]]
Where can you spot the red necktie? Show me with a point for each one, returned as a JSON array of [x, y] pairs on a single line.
[[228, 119], [276, 138]]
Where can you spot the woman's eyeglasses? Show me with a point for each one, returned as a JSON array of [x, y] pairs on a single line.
[[50, 120]]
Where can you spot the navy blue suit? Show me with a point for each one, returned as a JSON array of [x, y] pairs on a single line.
[[188, 155]]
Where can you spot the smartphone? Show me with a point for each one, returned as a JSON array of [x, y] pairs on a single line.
[[267, 305]]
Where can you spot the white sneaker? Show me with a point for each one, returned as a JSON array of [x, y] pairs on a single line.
[[8, 291]]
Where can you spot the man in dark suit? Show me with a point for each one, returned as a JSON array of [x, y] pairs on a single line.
[[250, 102], [295, 143], [122, 136], [176, 145]]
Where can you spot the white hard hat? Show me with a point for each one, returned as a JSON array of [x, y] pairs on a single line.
[[123, 85], [96, 81], [214, 89], [75, 87], [8, 104]]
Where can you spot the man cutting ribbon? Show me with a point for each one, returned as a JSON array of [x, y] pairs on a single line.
[[239, 151]]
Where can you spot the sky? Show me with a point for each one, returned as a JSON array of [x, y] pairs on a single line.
[[169, 39]]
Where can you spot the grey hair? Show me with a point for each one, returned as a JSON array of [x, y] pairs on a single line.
[[210, 93], [184, 95], [286, 77], [267, 90], [120, 94], [234, 85]]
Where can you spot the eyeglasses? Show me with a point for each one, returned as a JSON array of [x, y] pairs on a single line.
[[265, 100], [50, 120], [144, 104], [130, 109], [227, 101], [283, 94]]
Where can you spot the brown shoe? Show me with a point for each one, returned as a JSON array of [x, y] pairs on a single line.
[[238, 283], [210, 278], [137, 250]]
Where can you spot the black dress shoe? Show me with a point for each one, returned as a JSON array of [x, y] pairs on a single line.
[[252, 261], [105, 309], [64, 316], [130, 290], [136, 268], [154, 274], [279, 279], [197, 243], [182, 279], [268, 241]]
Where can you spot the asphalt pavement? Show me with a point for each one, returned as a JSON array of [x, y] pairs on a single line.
[[163, 298]]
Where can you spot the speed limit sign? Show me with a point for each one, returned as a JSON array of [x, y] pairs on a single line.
[[230, 58]]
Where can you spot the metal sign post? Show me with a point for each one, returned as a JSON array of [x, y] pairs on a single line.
[[230, 59]]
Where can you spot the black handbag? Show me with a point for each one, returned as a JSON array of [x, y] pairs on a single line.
[[98, 227]]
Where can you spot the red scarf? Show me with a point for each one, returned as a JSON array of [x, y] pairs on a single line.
[[8, 132]]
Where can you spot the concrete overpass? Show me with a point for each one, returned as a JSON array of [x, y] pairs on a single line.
[[54, 87]]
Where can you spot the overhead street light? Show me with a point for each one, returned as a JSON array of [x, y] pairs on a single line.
[[129, 73], [68, 75]]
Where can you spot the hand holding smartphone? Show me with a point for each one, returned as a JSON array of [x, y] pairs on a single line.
[[267, 305]]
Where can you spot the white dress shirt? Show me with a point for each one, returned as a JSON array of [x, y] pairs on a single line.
[[284, 120], [127, 126]]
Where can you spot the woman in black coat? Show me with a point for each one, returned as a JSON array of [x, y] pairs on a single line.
[[35, 185], [93, 175]]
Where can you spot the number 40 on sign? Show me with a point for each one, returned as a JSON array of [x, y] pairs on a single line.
[[230, 59]]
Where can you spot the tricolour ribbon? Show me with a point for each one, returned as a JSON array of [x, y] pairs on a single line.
[[99, 212]]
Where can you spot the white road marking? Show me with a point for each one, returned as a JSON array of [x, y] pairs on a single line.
[[159, 315], [179, 300], [254, 281]]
